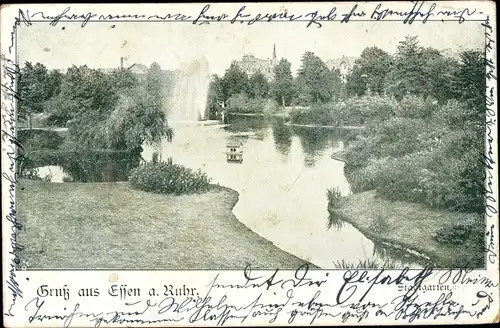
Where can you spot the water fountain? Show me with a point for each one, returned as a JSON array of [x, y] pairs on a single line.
[[189, 99], [187, 104]]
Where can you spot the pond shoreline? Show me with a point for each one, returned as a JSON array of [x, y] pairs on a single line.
[[345, 127], [368, 233], [403, 231], [126, 225], [338, 155], [285, 115], [234, 192]]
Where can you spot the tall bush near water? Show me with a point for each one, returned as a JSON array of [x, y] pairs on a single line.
[[282, 87], [34, 89], [425, 153], [168, 178], [428, 146], [114, 110]]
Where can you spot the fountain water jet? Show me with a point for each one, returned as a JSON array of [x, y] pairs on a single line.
[[190, 93], [188, 101]]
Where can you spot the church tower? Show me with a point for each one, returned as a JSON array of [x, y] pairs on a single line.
[[274, 53]]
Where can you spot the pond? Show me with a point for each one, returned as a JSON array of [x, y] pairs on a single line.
[[99, 165], [282, 183]]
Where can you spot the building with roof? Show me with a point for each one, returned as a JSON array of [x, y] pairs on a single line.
[[251, 65], [234, 152], [343, 64], [139, 70], [107, 70]]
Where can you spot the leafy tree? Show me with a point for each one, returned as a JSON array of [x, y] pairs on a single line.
[[336, 83], [217, 86], [283, 88], [258, 86], [90, 86], [124, 80], [110, 111], [33, 90], [469, 116], [239, 102], [62, 109], [155, 83], [438, 71], [314, 79], [215, 97], [369, 72], [136, 119], [83, 92], [88, 96], [55, 80], [356, 82], [469, 80], [407, 75], [235, 82], [212, 105]]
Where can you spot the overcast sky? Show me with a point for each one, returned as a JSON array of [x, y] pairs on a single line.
[[100, 46]]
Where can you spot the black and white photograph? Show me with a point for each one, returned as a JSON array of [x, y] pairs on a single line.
[[266, 150], [210, 144]]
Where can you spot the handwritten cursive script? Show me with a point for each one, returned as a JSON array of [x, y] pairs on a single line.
[[490, 200], [10, 73], [420, 11], [356, 278], [222, 304]]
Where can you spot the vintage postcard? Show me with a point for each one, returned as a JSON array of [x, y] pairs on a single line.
[[260, 164]]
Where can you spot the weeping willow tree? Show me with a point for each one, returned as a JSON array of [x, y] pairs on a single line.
[[115, 111], [135, 120]]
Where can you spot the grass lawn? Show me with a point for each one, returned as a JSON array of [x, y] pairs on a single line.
[[412, 226], [111, 226]]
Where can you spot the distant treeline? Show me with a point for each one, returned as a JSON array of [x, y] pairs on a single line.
[[412, 70], [101, 110]]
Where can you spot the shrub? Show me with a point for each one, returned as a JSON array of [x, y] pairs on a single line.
[[334, 197], [367, 264], [380, 224], [335, 221], [432, 177], [354, 111], [415, 107], [460, 231], [361, 149], [40, 139], [167, 178], [368, 108], [421, 153], [31, 174], [401, 178], [455, 113], [241, 103], [319, 115]]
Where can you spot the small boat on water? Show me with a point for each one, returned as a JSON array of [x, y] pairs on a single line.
[[234, 152]]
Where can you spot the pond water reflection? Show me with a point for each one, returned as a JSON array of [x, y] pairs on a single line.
[[79, 165], [53, 173], [282, 184]]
